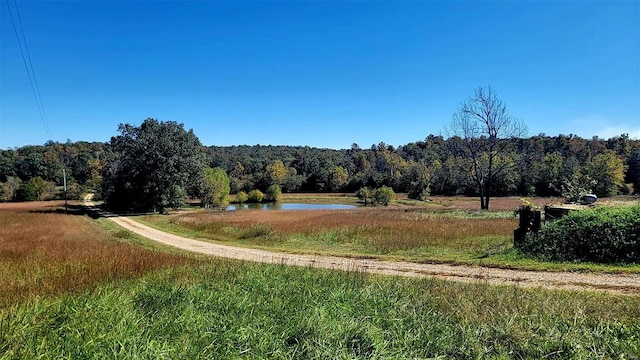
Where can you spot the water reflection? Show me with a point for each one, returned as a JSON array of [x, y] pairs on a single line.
[[290, 206]]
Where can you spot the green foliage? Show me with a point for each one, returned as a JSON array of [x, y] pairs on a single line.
[[27, 192], [273, 193], [277, 172], [10, 188], [381, 196], [255, 196], [74, 191], [366, 195], [384, 195], [633, 169], [548, 174], [155, 166], [539, 165], [607, 170], [602, 235], [241, 197], [215, 192], [338, 177], [575, 188], [420, 177], [36, 189], [6, 193]]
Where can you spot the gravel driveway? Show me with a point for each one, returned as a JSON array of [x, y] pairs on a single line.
[[617, 283]]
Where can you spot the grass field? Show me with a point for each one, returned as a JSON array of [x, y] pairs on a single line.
[[45, 252], [448, 232], [164, 304], [226, 309]]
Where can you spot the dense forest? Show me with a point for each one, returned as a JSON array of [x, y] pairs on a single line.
[[537, 166]]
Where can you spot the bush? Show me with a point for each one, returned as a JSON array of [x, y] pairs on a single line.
[[603, 235], [74, 191], [366, 195], [255, 196], [273, 193], [241, 197], [385, 195]]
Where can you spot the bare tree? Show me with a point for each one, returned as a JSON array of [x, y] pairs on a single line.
[[485, 128]]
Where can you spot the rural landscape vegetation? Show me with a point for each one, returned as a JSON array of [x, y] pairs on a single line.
[[483, 240], [76, 285]]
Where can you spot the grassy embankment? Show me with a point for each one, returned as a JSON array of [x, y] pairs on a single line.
[[444, 230], [153, 306]]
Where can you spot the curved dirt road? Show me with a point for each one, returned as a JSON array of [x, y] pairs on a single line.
[[617, 283]]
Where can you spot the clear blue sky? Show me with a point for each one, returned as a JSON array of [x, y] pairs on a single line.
[[323, 74]]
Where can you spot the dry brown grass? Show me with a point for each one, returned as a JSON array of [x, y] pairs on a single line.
[[383, 230], [496, 203], [43, 252]]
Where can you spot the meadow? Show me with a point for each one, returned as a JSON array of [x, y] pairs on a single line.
[[445, 229], [43, 252], [160, 303]]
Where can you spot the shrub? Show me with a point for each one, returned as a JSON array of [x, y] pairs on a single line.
[[241, 197], [604, 235], [74, 191], [384, 195], [273, 193], [366, 195], [255, 196]]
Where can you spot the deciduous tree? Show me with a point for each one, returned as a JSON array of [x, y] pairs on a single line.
[[485, 127], [607, 169], [215, 192], [154, 166]]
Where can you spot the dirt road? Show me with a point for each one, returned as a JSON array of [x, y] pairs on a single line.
[[617, 283]]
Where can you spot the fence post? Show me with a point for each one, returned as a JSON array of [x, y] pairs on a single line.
[[530, 221]]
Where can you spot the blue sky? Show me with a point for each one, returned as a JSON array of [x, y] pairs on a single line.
[[324, 74]]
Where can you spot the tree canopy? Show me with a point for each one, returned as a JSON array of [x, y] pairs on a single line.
[[154, 166], [538, 165]]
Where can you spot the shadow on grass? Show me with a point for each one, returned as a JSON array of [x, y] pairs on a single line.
[[74, 209], [94, 212]]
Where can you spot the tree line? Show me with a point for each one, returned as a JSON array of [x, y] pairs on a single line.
[[158, 165], [543, 166]]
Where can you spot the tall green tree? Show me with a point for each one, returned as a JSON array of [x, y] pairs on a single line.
[[338, 177], [607, 169], [154, 166], [277, 172], [633, 169], [216, 188], [486, 129]]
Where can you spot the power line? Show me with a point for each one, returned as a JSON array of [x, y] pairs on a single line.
[[28, 65]]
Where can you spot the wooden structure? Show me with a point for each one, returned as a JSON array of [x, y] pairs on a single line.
[[530, 221], [554, 212]]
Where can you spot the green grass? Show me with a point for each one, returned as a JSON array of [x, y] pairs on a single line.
[[227, 309]]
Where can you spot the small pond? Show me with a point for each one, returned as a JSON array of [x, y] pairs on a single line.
[[290, 206]]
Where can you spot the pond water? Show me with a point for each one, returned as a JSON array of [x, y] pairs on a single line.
[[290, 206]]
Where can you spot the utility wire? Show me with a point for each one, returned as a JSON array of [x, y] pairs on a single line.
[[35, 81], [28, 65]]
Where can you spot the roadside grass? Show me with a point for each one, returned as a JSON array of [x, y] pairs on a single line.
[[43, 251], [419, 235], [228, 309]]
